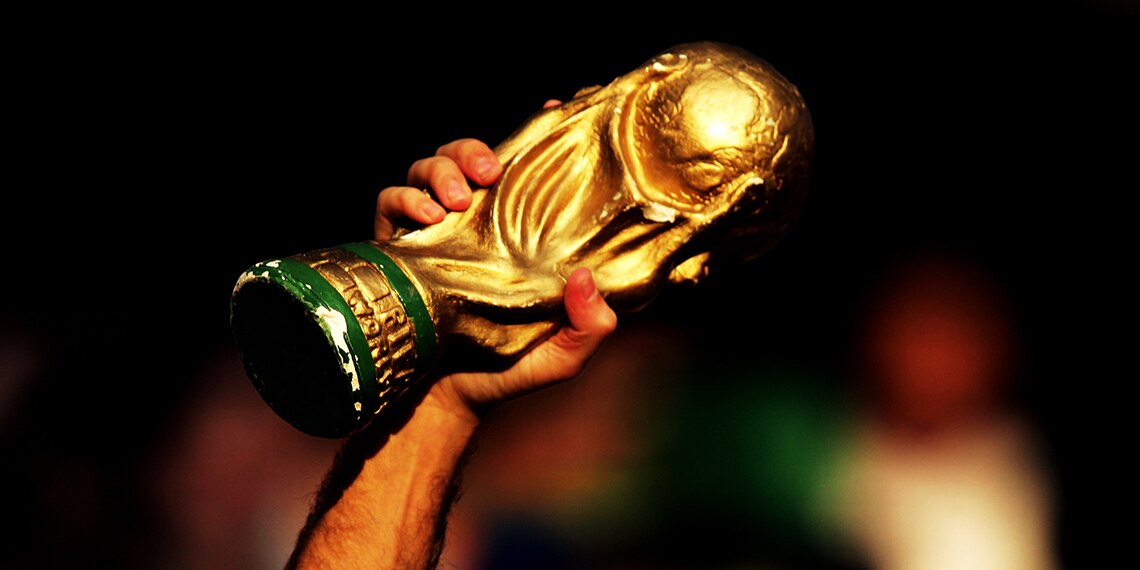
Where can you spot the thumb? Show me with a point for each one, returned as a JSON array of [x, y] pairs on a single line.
[[590, 318]]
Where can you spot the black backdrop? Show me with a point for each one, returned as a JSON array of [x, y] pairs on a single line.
[[155, 161]]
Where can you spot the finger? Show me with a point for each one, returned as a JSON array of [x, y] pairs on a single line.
[[591, 318], [590, 322], [551, 103], [399, 202], [443, 176], [475, 159]]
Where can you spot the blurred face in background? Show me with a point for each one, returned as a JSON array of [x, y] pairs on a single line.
[[938, 344]]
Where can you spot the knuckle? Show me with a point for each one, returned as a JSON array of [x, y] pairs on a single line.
[[607, 323]]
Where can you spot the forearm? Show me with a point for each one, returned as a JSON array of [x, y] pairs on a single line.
[[392, 514]]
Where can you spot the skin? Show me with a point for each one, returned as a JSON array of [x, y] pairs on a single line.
[[385, 500]]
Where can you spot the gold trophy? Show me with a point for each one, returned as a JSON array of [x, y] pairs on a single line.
[[698, 159]]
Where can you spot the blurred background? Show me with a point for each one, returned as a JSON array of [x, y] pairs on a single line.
[[920, 375]]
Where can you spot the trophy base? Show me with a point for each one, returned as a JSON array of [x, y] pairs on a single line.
[[330, 338]]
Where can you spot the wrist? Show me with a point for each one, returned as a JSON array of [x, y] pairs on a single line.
[[448, 410]]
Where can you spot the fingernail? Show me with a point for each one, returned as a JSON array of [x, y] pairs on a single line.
[[590, 292], [432, 210], [486, 168], [453, 190]]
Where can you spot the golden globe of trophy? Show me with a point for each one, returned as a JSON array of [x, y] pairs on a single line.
[[698, 159]]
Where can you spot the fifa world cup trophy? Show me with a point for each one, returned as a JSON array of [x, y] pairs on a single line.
[[698, 159]]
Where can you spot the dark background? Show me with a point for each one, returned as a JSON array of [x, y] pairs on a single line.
[[152, 162]]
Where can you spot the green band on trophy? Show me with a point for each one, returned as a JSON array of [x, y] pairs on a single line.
[[413, 303]]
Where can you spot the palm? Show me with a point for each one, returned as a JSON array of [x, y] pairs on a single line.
[[559, 358]]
